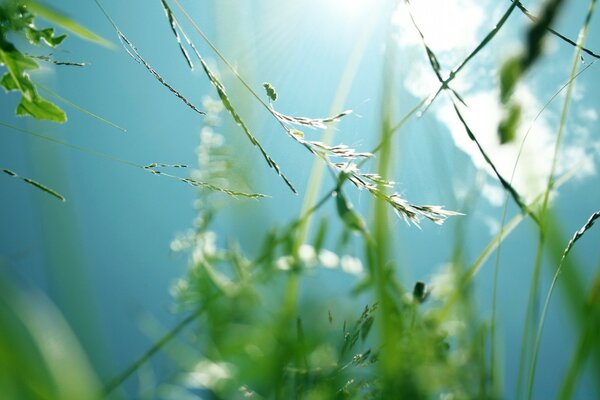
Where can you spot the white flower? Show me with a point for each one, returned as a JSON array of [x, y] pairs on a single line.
[[208, 374], [328, 259], [351, 265], [443, 283], [307, 254], [284, 263]]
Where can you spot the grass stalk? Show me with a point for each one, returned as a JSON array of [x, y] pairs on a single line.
[[549, 188]]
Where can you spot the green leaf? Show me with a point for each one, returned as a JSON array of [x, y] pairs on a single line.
[[8, 83], [350, 218], [270, 91], [14, 60], [39, 108], [58, 18], [507, 130], [47, 35], [510, 73]]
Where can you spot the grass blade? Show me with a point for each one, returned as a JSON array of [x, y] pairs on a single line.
[[175, 29], [535, 19], [78, 107]]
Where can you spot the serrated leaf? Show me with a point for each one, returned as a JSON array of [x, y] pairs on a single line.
[[39, 108], [47, 35], [271, 93]]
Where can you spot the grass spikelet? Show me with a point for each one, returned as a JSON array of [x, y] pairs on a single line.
[[152, 168], [375, 184], [588, 225], [49, 59], [133, 52], [370, 181], [317, 123], [238, 119], [175, 29], [36, 184], [339, 150], [218, 85]]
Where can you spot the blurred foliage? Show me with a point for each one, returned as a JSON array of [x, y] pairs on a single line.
[[40, 358]]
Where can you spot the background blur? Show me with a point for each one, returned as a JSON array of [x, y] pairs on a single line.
[[103, 257]]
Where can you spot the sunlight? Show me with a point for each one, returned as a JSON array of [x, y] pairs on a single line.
[[351, 9]]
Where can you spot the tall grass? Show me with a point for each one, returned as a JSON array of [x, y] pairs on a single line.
[[256, 330]]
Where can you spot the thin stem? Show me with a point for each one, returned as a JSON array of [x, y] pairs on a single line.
[[162, 342], [550, 185]]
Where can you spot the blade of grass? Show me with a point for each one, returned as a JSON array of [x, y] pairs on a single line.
[[549, 187], [534, 19], [507, 186], [119, 379], [538, 337], [78, 107], [503, 223], [493, 244], [146, 167], [588, 337]]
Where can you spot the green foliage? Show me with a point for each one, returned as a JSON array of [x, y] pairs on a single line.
[[271, 93], [19, 18], [40, 357], [16, 18]]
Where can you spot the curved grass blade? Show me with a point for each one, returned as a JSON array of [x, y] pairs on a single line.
[[587, 226], [175, 29], [155, 348], [535, 19], [549, 186], [35, 184], [507, 186], [497, 240], [133, 52]]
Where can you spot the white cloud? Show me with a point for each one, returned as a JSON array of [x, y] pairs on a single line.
[[452, 30]]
